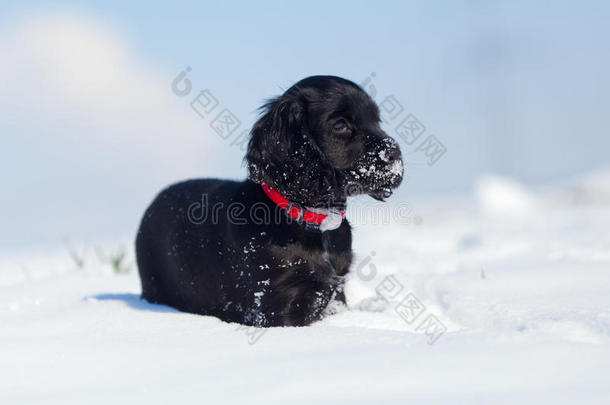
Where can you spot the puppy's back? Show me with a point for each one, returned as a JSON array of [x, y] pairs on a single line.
[[177, 230]]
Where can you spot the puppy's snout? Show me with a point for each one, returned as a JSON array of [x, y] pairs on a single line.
[[393, 159], [390, 150], [394, 154]]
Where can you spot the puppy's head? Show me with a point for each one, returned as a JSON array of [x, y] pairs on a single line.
[[321, 141]]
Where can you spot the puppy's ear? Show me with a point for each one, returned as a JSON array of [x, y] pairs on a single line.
[[283, 154], [275, 138]]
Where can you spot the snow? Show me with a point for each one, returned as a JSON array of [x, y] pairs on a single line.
[[518, 280]]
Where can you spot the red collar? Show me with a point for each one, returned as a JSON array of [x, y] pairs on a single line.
[[324, 219]]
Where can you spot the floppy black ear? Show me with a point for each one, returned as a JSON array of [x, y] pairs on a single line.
[[282, 153], [273, 138]]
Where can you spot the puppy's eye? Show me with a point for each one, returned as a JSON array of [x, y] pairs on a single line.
[[340, 127]]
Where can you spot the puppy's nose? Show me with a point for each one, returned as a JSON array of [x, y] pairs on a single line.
[[390, 150], [394, 164], [394, 153]]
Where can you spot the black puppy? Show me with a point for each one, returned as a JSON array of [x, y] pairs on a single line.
[[272, 250]]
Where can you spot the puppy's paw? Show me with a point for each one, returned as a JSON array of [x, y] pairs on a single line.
[[334, 307], [372, 304]]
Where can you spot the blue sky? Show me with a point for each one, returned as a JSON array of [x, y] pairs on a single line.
[[91, 129]]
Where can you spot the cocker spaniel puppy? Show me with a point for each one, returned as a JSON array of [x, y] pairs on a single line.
[[272, 250]]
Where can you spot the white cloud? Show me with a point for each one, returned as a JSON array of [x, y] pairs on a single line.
[[91, 131], [77, 78]]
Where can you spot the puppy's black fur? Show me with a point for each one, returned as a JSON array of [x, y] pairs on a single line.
[[223, 248]]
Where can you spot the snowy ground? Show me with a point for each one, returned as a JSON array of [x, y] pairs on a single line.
[[519, 281]]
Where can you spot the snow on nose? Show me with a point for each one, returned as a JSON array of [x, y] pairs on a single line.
[[392, 157]]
